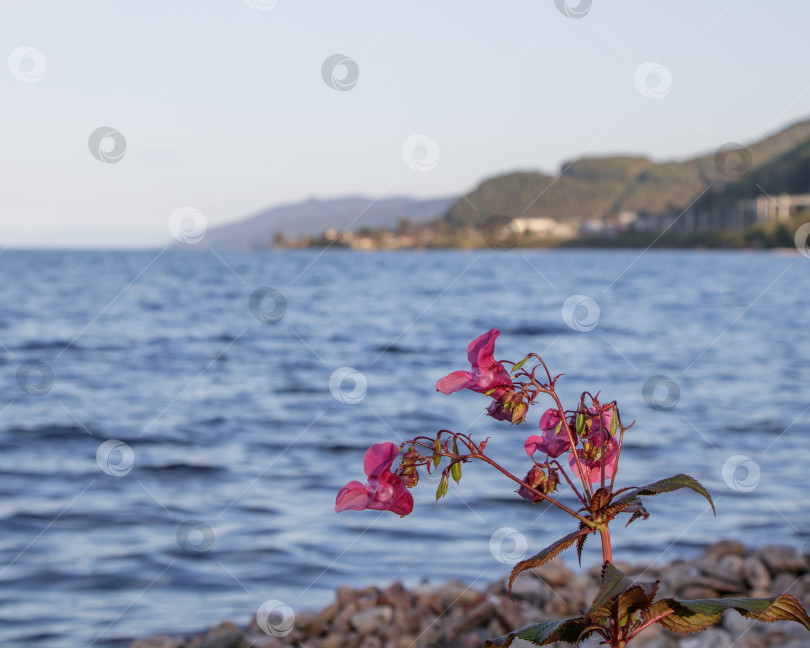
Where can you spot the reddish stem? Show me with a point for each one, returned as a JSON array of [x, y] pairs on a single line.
[[559, 505], [586, 486], [568, 479], [649, 623], [607, 550]]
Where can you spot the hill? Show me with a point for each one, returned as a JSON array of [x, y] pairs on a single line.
[[602, 188], [313, 216]]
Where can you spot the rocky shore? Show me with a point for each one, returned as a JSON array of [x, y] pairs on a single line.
[[454, 615]]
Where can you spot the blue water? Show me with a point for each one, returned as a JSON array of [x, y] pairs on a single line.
[[234, 443]]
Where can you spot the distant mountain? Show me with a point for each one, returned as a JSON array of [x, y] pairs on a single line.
[[312, 217], [601, 188]]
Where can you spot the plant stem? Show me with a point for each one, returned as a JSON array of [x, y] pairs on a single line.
[[572, 442], [607, 550], [570, 483], [560, 505], [649, 623]]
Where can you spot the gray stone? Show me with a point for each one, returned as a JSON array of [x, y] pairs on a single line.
[[696, 592], [371, 642], [711, 638], [783, 559], [160, 641], [784, 583], [396, 596], [345, 595], [455, 593], [649, 636], [477, 616], [528, 587], [341, 621], [756, 574], [736, 624], [554, 572], [725, 547], [260, 641], [310, 624], [340, 640], [222, 640], [679, 575], [510, 612], [372, 620]]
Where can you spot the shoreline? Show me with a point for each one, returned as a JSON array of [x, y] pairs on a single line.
[[455, 615]]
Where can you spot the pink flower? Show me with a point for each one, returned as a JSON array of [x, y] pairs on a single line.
[[554, 440], [485, 374], [591, 460], [384, 490], [606, 420]]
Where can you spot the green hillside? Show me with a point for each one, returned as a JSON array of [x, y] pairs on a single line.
[[788, 173], [601, 188]]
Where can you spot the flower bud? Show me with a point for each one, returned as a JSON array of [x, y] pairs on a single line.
[[551, 482], [407, 468], [519, 412], [535, 478], [508, 407]]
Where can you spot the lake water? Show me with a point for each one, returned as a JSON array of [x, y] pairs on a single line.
[[220, 493]]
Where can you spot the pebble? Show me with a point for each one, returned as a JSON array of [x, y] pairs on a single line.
[[554, 572], [710, 638], [783, 559], [372, 620], [756, 574], [456, 615]]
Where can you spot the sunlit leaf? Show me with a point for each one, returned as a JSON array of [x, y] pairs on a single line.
[[613, 583], [519, 365], [638, 597], [667, 486], [546, 554], [690, 616]]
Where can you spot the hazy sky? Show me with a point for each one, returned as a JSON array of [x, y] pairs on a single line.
[[224, 106]]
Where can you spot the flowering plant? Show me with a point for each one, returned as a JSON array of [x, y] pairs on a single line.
[[591, 433]]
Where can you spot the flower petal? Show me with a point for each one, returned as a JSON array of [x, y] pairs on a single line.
[[454, 382], [550, 420], [533, 444], [353, 497], [402, 502], [593, 468], [378, 459], [481, 350]]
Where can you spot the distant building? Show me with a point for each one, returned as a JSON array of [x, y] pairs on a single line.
[[762, 210], [547, 227]]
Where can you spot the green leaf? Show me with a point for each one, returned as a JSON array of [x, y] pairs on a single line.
[[441, 491], [517, 367], [614, 582], [569, 630], [638, 597], [690, 616], [437, 449], [547, 554], [579, 423], [637, 513], [614, 423], [667, 486], [580, 543], [455, 469]]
